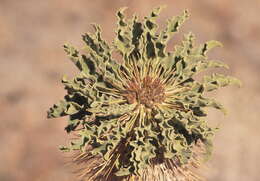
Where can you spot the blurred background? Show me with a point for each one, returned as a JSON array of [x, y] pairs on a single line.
[[32, 63]]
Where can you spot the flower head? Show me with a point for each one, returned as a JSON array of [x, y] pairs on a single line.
[[140, 117]]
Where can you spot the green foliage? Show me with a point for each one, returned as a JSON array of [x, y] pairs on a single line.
[[127, 130]]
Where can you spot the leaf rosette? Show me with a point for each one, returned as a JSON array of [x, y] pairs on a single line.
[[145, 109]]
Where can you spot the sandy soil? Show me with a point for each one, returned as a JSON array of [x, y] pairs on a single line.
[[32, 63]]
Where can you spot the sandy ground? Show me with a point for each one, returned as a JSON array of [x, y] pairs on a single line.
[[32, 63]]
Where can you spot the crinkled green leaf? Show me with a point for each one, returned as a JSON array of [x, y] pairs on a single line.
[[216, 81]]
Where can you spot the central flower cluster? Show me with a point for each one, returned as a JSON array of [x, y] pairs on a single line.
[[147, 91]]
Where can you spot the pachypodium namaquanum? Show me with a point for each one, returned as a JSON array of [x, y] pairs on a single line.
[[140, 115]]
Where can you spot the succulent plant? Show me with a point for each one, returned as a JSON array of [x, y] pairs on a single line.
[[140, 115]]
